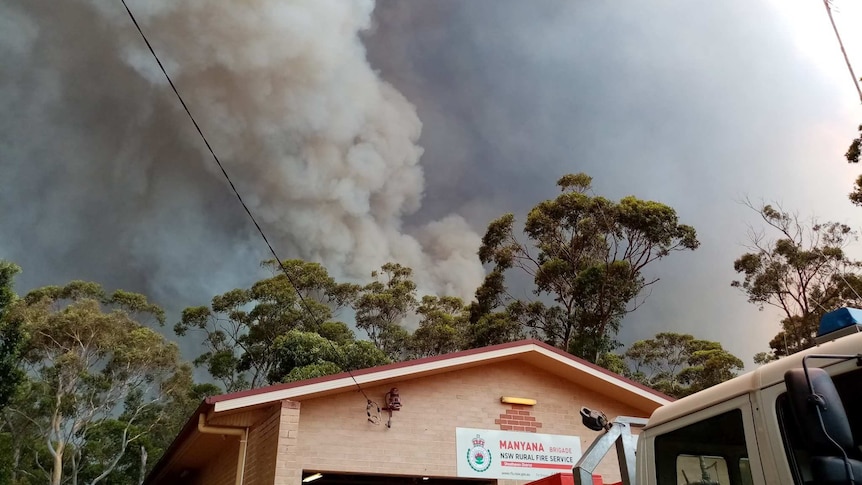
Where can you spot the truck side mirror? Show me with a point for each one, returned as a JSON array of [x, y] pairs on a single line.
[[813, 396], [819, 413]]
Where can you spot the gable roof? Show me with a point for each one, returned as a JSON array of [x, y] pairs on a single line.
[[531, 351], [190, 447]]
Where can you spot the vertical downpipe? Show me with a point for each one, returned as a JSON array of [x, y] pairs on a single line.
[[242, 433]]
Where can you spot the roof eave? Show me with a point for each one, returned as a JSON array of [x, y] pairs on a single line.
[[458, 360]]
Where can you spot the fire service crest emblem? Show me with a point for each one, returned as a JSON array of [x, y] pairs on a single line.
[[478, 457]]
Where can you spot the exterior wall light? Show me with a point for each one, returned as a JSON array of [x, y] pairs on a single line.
[[393, 400], [518, 400], [393, 403], [312, 478]]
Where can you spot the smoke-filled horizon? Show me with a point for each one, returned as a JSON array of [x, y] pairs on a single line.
[[323, 150], [363, 133], [696, 104]]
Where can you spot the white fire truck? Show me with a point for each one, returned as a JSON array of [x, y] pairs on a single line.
[[797, 420]]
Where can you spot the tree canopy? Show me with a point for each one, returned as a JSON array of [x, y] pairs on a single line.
[[678, 364], [241, 326], [383, 304], [303, 355], [96, 371], [442, 329], [586, 256], [11, 336], [800, 268]]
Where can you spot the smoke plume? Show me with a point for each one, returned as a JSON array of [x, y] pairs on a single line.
[[123, 191]]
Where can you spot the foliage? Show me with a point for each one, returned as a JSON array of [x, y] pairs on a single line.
[[852, 156], [443, 328], [487, 326], [383, 304], [586, 256], [494, 328], [153, 429], [761, 358], [272, 333], [21, 421], [337, 332], [678, 364], [614, 363], [303, 355], [242, 325], [97, 371], [157, 427], [11, 336], [804, 272]]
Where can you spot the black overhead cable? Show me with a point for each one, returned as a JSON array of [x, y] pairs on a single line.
[[305, 304], [844, 52]]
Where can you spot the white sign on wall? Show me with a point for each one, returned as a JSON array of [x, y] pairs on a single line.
[[488, 453]]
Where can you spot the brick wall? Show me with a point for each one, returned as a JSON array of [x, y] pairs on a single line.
[[336, 436], [288, 469], [262, 450]]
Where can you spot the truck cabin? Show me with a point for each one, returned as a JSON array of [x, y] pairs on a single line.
[[797, 420]]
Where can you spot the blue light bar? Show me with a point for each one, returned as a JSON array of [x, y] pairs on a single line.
[[839, 319]]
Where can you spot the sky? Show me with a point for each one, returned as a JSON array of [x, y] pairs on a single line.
[[695, 104], [361, 132]]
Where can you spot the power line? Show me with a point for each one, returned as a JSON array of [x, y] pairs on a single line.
[[844, 52], [290, 280]]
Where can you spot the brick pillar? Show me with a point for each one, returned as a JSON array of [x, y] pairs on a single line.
[[288, 469]]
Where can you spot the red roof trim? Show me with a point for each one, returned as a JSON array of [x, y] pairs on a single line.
[[436, 358]]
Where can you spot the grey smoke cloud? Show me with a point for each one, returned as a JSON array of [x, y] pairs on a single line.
[[323, 150], [362, 133], [695, 104]]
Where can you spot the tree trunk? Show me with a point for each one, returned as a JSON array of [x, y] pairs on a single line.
[[57, 471], [16, 460], [58, 448], [143, 474], [75, 464]]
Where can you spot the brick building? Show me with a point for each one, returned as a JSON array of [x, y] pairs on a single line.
[[504, 414]]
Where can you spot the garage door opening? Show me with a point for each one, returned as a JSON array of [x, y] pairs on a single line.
[[310, 478]]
